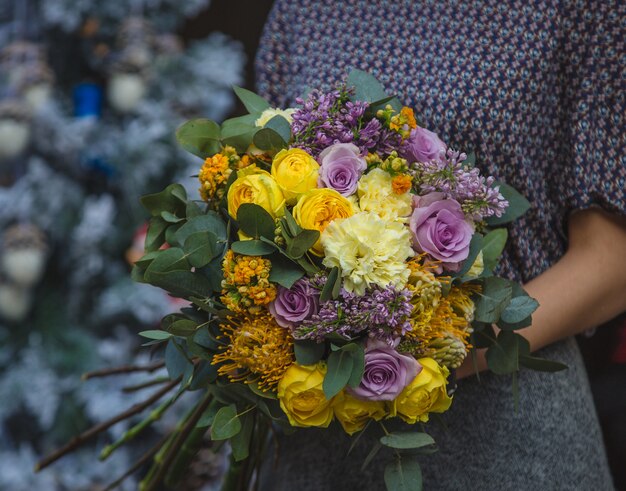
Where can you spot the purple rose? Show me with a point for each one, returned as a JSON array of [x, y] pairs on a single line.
[[422, 145], [439, 228], [386, 373], [341, 166], [295, 304]]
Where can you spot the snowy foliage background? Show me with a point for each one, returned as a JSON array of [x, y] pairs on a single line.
[[79, 181]]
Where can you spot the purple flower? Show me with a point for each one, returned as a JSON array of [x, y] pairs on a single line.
[[295, 304], [422, 145], [439, 228], [341, 166], [386, 373]]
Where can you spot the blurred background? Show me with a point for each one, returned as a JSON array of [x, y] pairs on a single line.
[[91, 93]]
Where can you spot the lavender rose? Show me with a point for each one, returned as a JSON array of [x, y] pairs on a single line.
[[386, 373], [295, 304], [341, 166], [439, 228], [422, 145]]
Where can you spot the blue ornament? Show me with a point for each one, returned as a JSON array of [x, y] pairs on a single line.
[[87, 100]]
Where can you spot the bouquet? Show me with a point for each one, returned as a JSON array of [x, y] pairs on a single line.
[[338, 269]]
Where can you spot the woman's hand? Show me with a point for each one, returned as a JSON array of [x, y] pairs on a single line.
[[584, 289]]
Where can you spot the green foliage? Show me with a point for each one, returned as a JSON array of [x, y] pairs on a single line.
[[238, 135], [254, 103], [281, 126], [309, 352], [176, 361], [155, 334], [226, 423], [518, 205], [494, 298], [475, 247], [519, 309], [493, 245], [541, 364], [332, 286], [404, 474], [252, 247], [255, 222], [240, 442], [503, 356], [407, 440], [200, 137], [284, 271], [345, 365], [200, 248], [269, 140], [368, 89], [172, 199], [301, 243]]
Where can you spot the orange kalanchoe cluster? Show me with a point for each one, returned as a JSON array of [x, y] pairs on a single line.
[[257, 350], [404, 122], [216, 171], [401, 183], [246, 286]]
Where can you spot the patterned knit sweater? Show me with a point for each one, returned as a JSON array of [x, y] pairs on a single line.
[[536, 89]]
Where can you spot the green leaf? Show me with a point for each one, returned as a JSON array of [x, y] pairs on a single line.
[[519, 309], [340, 365], [483, 337], [144, 261], [493, 245], [172, 259], [192, 210], [155, 236], [308, 352], [403, 475], [155, 334], [281, 126], [247, 119], [205, 374], [209, 414], [284, 272], [358, 363], [167, 200], [240, 443], [252, 247], [200, 137], [302, 242], [368, 88], [291, 224], [255, 222], [518, 205], [175, 361], [254, 103], [210, 222], [475, 247], [200, 248], [183, 327], [226, 423], [541, 364], [268, 139], [238, 136], [503, 356], [329, 286], [404, 440], [170, 217], [470, 161], [493, 299], [370, 456]]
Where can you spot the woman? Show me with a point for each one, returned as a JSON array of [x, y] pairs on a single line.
[[534, 88]]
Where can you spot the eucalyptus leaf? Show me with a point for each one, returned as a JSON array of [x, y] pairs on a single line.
[[541, 364], [240, 442], [200, 248], [494, 298], [209, 414], [493, 245], [405, 440], [519, 309], [209, 222], [253, 103], [340, 365], [155, 334], [329, 286], [226, 423], [252, 247], [284, 272], [308, 352], [302, 242], [166, 200], [404, 474], [200, 137], [503, 356], [255, 222], [155, 236], [368, 88], [268, 139], [175, 361], [183, 327], [281, 126], [475, 247], [358, 363]]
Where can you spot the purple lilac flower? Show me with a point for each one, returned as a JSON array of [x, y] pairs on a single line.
[[295, 304], [327, 118], [386, 373], [447, 174], [382, 313]]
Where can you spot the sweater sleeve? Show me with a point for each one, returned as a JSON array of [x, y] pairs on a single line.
[[593, 110]]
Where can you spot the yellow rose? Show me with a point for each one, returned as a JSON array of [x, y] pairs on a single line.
[[302, 398], [353, 414], [257, 186], [296, 172], [317, 208], [426, 394]]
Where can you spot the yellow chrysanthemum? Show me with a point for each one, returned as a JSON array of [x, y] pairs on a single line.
[[369, 251], [257, 350], [376, 194], [246, 286]]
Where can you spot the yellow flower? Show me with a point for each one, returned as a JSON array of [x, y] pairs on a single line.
[[296, 172], [257, 186], [376, 194], [401, 183], [369, 251], [404, 122], [477, 267], [269, 113], [302, 398], [258, 350], [426, 394], [246, 285], [319, 207], [353, 413]]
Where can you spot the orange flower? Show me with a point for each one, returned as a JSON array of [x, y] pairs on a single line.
[[401, 183]]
